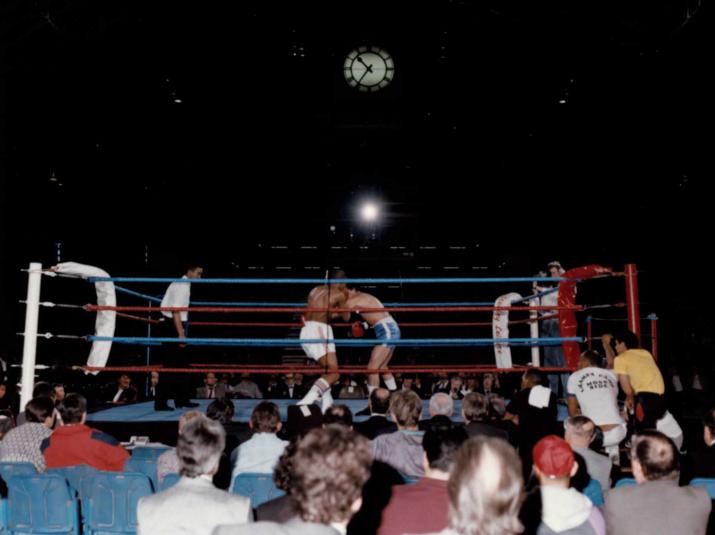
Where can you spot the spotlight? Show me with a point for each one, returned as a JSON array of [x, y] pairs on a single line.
[[369, 211]]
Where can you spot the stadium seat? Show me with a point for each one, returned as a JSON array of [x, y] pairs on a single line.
[[8, 469], [111, 502], [625, 482], [258, 487], [708, 483], [41, 503], [594, 493], [146, 466], [169, 481]]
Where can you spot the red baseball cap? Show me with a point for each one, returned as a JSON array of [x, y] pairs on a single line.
[[553, 457]]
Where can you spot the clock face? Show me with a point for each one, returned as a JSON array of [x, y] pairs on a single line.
[[369, 69]]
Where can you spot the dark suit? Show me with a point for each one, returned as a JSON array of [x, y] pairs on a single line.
[[219, 391], [295, 526], [375, 425], [476, 429], [279, 510], [297, 393], [129, 395]]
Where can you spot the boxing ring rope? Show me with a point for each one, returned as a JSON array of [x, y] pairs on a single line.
[[561, 310]]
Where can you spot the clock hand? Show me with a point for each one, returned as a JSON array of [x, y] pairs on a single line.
[[368, 67]]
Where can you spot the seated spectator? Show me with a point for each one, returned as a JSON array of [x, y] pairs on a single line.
[[246, 388], [301, 419], [350, 389], [455, 387], [338, 415], [563, 509], [43, 389], [125, 392], [168, 462], [580, 432], [440, 409], [6, 424], [423, 506], [76, 443], [379, 406], [283, 508], [475, 412], [222, 411], [212, 389], [490, 384], [153, 385], [329, 469], [59, 389], [485, 489], [5, 402], [533, 410], [273, 389], [261, 452], [656, 504], [442, 384], [700, 461], [407, 383], [194, 505], [471, 384], [403, 449], [22, 444], [290, 389]]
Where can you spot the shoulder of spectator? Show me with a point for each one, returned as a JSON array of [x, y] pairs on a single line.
[[101, 436]]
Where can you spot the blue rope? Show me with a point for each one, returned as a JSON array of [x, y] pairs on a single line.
[[329, 281], [302, 304], [137, 294], [280, 342]]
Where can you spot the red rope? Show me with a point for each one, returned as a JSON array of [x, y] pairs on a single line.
[[402, 324], [97, 308], [138, 318]]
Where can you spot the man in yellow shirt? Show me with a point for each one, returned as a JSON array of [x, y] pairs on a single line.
[[639, 377]]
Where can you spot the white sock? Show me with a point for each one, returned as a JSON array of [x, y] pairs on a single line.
[[391, 384], [327, 401], [370, 389]]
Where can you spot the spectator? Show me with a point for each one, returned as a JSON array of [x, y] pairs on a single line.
[[593, 392], [349, 389], [656, 504], [125, 392], [303, 418], [533, 411], [580, 432], [43, 389], [442, 384], [222, 411], [490, 384], [22, 444], [563, 509], [475, 412], [423, 507], [379, 405], [640, 379], [273, 389], [280, 509], [194, 505], [212, 389], [168, 462], [402, 450], [59, 389], [700, 461], [76, 443], [407, 383], [5, 401], [289, 389], [485, 489], [338, 415], [261, 452], [329, 469], [471, 384], [440, 410], [455, 387], [6, 424], [153, 385], [246, 388]]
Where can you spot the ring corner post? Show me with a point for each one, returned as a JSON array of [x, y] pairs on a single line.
[[632, 305], [29, 349], [654, 335]]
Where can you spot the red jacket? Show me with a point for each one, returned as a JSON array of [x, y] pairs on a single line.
[[74, 444]]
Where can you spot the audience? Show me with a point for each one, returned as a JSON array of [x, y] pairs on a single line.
[[475, 413], [212, 389], [168, 462], [76, 443], [580, 432], [338, 415], [656, 504], [289, 389], [377, 424], [125, 392], [283, 508], [261, 452], [246, 388], [403, 449], [422, 507], [193, 505], [485, 489], [6, 424], [700, 461], [22, 444], [328, 471], [440, 410]]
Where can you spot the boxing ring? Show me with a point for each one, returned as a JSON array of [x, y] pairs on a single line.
[[509, 310]]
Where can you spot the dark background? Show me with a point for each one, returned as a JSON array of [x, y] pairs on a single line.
[[137, 136]]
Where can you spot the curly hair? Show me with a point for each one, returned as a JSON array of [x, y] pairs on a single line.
[[485, 488], [329, 468]]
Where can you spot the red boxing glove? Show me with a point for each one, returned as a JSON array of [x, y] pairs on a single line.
[[358, 331]]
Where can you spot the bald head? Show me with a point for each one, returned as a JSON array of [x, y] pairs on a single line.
[[654, 457], [380, 401], [580, 431], [441, 404]]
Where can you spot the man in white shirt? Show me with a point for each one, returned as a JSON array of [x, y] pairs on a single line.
[[260, 453], [593, 392], [178, 295]]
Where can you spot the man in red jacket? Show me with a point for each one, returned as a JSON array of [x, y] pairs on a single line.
[[76, 443]]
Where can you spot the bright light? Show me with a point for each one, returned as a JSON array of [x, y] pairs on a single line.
[[369, 211]]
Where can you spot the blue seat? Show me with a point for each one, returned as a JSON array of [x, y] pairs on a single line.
[[144, 452], [3, 517], [625, 482], [110, 502], [169, 481], [7, 470], [594, 493], [146, 466], [708, 483], [41, 503], [74, 474], [259, 488]]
